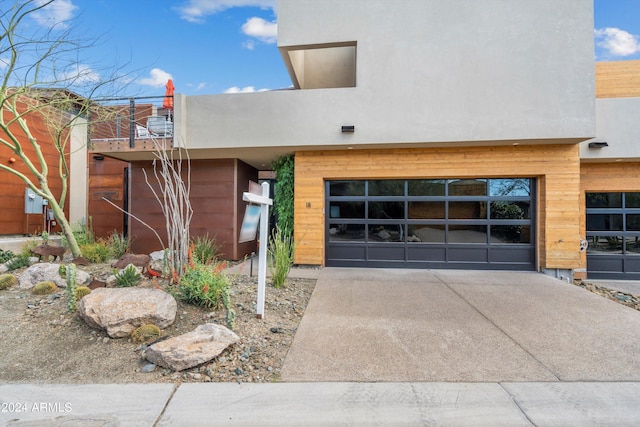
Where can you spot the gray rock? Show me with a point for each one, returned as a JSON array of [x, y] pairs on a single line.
[[45, 271], [157, 256], [149, 367], [193, 348], [121, 310]]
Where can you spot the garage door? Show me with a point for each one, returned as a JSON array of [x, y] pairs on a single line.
[[613, 234], [476, 223]]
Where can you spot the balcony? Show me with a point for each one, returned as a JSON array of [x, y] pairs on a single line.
[[129, 132]]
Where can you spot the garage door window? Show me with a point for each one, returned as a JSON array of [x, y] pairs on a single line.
[[426, 218], [613, 235]]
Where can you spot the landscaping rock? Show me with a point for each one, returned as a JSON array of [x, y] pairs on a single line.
[[45, 271], [121, 310], [193, 348]]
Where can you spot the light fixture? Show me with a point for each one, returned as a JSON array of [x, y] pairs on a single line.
[[348, 129], [598, 145], [98, 157]]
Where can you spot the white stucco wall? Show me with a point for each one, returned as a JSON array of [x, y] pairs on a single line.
[[428, 71], [618, 124], [78, 174]]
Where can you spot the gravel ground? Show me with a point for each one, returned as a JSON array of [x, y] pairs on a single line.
[[42, 343], [629, 300]]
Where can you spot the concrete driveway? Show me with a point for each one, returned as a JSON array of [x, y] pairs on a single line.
[[460, 326]]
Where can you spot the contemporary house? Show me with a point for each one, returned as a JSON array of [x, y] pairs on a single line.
[[437, 134]]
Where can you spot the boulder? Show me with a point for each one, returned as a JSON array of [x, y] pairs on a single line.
[[191, 349], [49, 272], [121, 310]]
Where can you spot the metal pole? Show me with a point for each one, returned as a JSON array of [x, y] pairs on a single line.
[[132, 122], [262, 252]]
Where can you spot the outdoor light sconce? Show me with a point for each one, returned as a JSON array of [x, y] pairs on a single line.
[[598, 145], [98, 157], [348, 129]]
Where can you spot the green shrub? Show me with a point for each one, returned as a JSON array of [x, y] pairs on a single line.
[[281, 251], [7, 281], [44, 288], [118, 244], [18, 262], [95, 252], [25, 250], [283, 192], [203, 285], [128, 277], [6, 256], [205, 249]]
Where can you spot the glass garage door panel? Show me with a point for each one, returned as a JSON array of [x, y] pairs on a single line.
[[613, 235], [480, 223]]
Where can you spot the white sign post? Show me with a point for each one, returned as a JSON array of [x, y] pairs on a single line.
[[264, 201]]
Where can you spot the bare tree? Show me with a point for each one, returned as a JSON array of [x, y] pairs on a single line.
[[33, 64], [174, 186]]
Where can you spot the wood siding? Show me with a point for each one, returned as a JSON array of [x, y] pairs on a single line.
[[106, 179], [557, 168], [216, 198], [619, 79], [13, 220]]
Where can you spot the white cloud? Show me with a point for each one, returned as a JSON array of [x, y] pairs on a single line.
[[246, 89], [157, 78], [197, 10], [55, 13], [261, 29], [4, 62], [617, 42], [81, 74]]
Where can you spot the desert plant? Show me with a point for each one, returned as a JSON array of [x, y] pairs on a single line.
[[203, 285], [281, 250], [62, 271], [118, 244], [45, 237], [7, 281], [25, 250], [6, 256], [231, 313], [205, 249], [82, 291], [96, 252], [146, 333], [128, 277], [71, 287], [18, 262], [44, 288]]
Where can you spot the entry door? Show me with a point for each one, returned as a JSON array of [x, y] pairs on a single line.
[[475, 223]]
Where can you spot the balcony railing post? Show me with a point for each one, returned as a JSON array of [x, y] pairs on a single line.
[[132, 122]]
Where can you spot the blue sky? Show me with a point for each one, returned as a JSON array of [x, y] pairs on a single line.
[[216, 46]]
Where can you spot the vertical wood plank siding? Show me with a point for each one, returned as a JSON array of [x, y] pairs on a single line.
[[557, 168], [216, 199], [106, 179]]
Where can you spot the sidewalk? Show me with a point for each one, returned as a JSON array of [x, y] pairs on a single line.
[[323, 404]]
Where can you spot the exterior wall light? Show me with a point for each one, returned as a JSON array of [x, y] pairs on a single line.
[[598, 145], [348, 129], [98, 157]]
